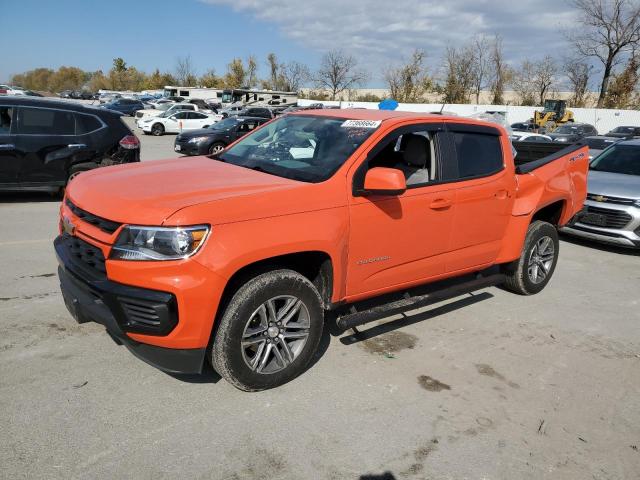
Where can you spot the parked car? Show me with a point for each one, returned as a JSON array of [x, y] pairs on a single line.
[[624, 132], [262, 112], [261, 244], [611, 213], [127, 106], [572, 132], [215, 138], [167, 109], [11, 90], [45, 143], [176, 122], [523, 127], [598, 143], [108, 97], [529, 137]]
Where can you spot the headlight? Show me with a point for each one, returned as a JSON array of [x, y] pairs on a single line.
[[198, 139], [158, 243]]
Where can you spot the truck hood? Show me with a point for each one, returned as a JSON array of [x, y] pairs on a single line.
[[613, 184], [148, 193]]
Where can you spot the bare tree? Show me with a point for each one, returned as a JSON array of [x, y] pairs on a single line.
[[523, 83], [481, 64], [339, 72], [459, 80], [251, 71], [293, 75], [611, 28], [501, 72], [408, 83], [577, 73], [622, 88], [274, 72], [544, 76], [185, 72]]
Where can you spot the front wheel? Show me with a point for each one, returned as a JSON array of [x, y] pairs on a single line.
[[269, 331], [532, 271], [157, 129], [216, 148]]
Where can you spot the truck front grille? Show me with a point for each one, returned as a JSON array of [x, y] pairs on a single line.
[[85, 258], [102, 223], [608, 199]]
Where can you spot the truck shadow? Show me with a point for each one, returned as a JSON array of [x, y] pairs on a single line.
[[407, 319], [603, 247]]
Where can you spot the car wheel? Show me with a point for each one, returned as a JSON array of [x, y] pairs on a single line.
[[532, 271], [216, 148], [157, 129], [269, 331]]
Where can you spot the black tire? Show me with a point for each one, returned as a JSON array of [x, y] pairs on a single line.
[[231, 359], [216, 148], [157, 130], [530, 273]]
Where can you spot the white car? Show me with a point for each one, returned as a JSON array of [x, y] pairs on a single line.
[[176, 122], [166, 108], [9, 90], [530, 137]]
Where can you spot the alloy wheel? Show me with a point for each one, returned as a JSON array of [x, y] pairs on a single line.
[[541, 260]]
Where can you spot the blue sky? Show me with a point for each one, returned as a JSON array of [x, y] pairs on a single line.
[[153, 33]]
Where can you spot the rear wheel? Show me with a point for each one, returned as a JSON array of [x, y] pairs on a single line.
[[269, 331], [532, 271], [157, 129]]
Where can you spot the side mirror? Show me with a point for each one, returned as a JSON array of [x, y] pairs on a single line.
[[384, 181]]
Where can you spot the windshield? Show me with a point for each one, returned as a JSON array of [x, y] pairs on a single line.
[[622, 130], [567, 129], [305, 148], [225, 124], [598, 143], [623, 159]]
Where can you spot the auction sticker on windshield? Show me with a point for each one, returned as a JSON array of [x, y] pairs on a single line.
[[361, 124]]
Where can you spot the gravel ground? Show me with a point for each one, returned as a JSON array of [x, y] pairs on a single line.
[[487, 386]]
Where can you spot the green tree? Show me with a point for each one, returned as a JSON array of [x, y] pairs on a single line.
[[211, 80]]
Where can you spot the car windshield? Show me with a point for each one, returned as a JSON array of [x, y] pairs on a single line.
[[622, 130], [305, 148], [567, 129], [623, 159], [598, 143], [225, 124]]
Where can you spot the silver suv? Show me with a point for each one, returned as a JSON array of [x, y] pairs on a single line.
[[611, 213]]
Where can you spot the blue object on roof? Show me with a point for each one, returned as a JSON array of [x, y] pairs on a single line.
[[388, 104]]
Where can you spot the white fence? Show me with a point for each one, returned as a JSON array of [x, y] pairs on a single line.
[[603, 119]]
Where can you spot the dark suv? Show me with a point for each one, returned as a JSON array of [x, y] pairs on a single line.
[[44, 143], [215, 138], [128, 106]]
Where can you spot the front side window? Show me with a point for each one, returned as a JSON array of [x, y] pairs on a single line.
[[412, 152], [43, 121], [305, 148], [6, 118], [478, 154]]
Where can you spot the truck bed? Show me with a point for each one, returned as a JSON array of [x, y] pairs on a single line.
[[532, 155]]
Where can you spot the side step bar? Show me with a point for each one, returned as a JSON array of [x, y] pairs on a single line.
[[356, 318]]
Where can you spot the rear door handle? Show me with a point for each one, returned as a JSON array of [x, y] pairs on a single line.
[[440, 203], [77, 145], [7, 146]]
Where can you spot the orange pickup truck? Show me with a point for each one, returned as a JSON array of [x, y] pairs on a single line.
[[238, 258]]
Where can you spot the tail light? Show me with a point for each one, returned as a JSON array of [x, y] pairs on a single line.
[[130, 142], [3, 91]]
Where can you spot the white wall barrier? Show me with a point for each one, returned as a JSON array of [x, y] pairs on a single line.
[[603, 119]]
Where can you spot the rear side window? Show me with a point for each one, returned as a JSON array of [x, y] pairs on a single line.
[[6, 117], [477, 154], [86, 123], [43, 121]]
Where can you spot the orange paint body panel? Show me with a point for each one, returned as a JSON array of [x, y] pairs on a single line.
[[375, 243]]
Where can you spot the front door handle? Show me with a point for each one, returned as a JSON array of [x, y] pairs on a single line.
[[440, 203], [7, 146], [77, 145]]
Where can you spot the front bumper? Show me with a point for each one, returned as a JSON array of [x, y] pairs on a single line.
[[187, 148], [627, 235], [124, 309]]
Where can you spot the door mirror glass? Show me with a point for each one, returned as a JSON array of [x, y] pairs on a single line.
[[384, 181]]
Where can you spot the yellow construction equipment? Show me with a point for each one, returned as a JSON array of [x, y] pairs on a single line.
[[555, 113]]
